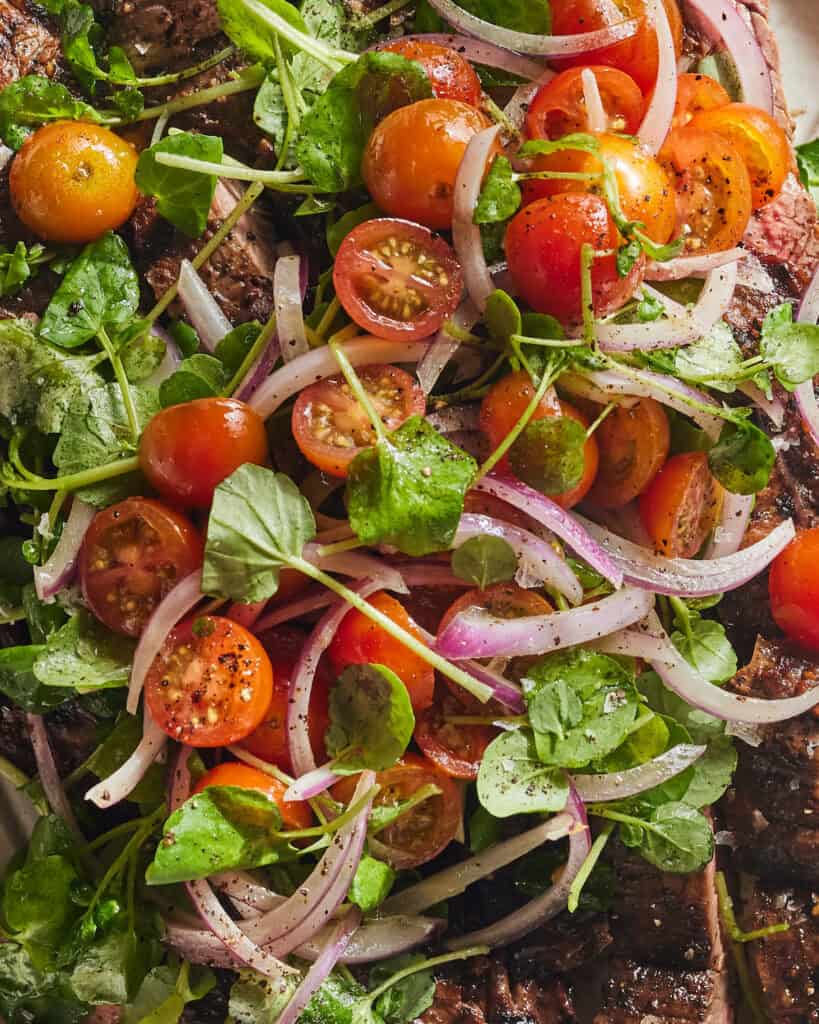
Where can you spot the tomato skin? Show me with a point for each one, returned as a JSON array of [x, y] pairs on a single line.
[[680, 506], [452, 77], [695, 94], [360, 641], [331, 428], [211, 683], [413, 156], [187, 450], [633, 443], [456, 749], [558, 108], [396, 279], [71, 182], [295, 814], [793, 586], [543, 246]]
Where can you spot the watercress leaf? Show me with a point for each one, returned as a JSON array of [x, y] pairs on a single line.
[[111, 968], [792, 349], [371, 719], [183, 197], [500, 196], [408, 998], [81, 34], [807, 157], [627, 256], [712, 773], [647, 741], [35, 100], [548, 454], [251, 33], [338, 230], [37, 902], [534, 16], [371, 883], [19, 683], [679, 839], [141, 355], [199, 376], [85, 655], [742, 458], [186, 337], [502, 316], [492, 237], [254, 998], [257, 519], [270, 111], [484, 830], [384, 815], [409, 490], [120, 69], [541, 325], [708, 649], [236, 344], [163, 994], [513, 780], [485, 560], [700, 726], [128, 102], [649, 309], [715, 360], [28, 994], [42, 619]]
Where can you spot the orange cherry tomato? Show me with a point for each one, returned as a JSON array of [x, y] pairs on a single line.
[[423, 832], [452, 77], [187, 450], [793, 585], [396, 279], [71, 182], [714, 199], [759, 140], [211, 683], [413, 156], [544, 242], [331, 428], [295, 814], [696, 93], [633, 443], [680, 506], [559, 106], [132, 555], [456, 748]]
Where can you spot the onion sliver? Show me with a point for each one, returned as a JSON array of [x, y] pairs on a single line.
[[805, 395], [312, 784], [50, 578], [596, 119], [259, 371], [124, 780], [733, 522], [478, 52], [287, 300], [657, 121], [522, 97], [170, 361], [772, 407], [503, 690], [49, 776], [204, 312], [620, 785], [444, 346], [466, 235], [692, 266]]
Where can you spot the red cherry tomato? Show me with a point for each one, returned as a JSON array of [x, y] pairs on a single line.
[[633, 443], [331, 428], [211, 683], [696, 93], [396, 279], [187, 450], [133, 554], [456, 748], [295, 814], [559, 106], [680, 505], [451, 76], [794, 589], [360, 641], [543, 246]]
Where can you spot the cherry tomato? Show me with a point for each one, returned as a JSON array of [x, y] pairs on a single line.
[[633, 444], [211, 683], [360, 641], [413, 156], [714, 202], [455, 748], [759, 140], [331, 428], [646, 192], [187, 450], [794, 589], [423, 832], [71, 182], [451, 76], [269, 741], [133, 554], [295, 813], [396, 279], [680, 505], [696, 93], [544, 241], [559, 106]]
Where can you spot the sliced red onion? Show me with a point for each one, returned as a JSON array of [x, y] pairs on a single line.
[[692, 266], [543, 908], [772, 407], [124, 780], [58, 571], [176, 604], [477, 52], [204, 312], [259, 371], [596, 118], [466, 235], [287, 299], [733, 522], [691, 577], [246, 615], [311, 784], [319, 363], [337, 942], [721, 20], [357, 564], [620, 785], [517, 106], [528, 42], [444, 346], [804, 395], [809, 307], [170, 361], [246, 893], [49, 776], [475, 633], [431, 575], [294, 610], [503, 690], [657, 120]]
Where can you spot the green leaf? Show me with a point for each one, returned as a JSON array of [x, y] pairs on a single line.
[[792, 349], [409, 997], [165, 992], [81, 35], [338, 230], [701, 727], [235, 345], [183, 197], [715, 360], [807, 157], [257, 519], [27, 994], [502, 316], [484, 830], [141, 355], [115, 750], [549, 454], [409, 491], [679, 839], [42, 619], [37, 902], [500, 196], [513, 780], [19, 265], [254, 998], [86, 656], [713, 773], [34, 100], [742, 458], [18, 681], [199, 376], [253, 35], [111, 968], [371, 883], [534, 16], [485, 560], [708, 649]]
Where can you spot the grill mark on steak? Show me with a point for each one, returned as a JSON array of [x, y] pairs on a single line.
[[638, 994]]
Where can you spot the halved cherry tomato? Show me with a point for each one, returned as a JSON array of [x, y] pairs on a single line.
[[794, 589], [133, 554], [559, 106], [451, 76], [295, 814], [72, 181], [543, 246], [331, 428], [360, 641], [396, 279], [633, 443], [680, 505], [211, 683], [455, 748], [714, 202], [759, 140], [696, 93], [187, 450], [413, 156], [424, 831], [269, 741]]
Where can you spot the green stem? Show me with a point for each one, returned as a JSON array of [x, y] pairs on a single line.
[[351, 544], [328, 317], [726, 905], [524, 339], [586, 292], [256, 349], [12, 774], [122, 380], [229, 170], [337, 823], [10, 617], [607, 411], [250, 78], [476, 388], [123, 858], [588, 865], [359, 391], [435, 961], [330, 57], [75, 481], [370, 20], [498, 115], [418, 797], [115, 833], [191, 72]]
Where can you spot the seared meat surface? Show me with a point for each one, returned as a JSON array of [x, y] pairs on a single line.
[[28, 45], [637, 994]]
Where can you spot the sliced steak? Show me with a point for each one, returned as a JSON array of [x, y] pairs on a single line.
[[160, 34], [28, 45], [567, 943], [636, 994], [71, 729]]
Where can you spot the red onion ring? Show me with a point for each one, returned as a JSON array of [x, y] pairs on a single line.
[[466, 235], [621, 785], [311, 784], [657, 120], [444, 346], [733, 522], [455, 417], [692, 266], [287, 300], [57, 572], [477, 52], [259, 370], [357, 564], [124, 780], [49, 776], [503, 690], [804, 394], [204, 312], [432, 575]]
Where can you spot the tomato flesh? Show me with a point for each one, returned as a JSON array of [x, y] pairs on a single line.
[[793, 585], [559, 106], [696, 93], [633, 443], [680, 506], [456, 748], [295, 814], [451, 76]]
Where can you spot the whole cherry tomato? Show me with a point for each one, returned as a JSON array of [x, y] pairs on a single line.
[[451, 75], [295, 814]]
